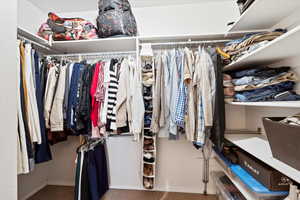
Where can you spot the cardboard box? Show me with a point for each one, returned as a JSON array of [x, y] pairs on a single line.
[[269, 177]]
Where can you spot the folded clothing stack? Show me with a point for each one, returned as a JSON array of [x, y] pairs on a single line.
[[292, 120], [235, 49], [264, 84], [67, 28], [228, 88]]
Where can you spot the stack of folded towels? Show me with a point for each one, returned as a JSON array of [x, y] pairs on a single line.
[[235, 49], [263, 84]]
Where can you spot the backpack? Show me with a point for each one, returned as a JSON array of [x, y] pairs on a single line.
[[115, 19]]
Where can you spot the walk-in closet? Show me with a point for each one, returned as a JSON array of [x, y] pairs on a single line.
[[150, 100]]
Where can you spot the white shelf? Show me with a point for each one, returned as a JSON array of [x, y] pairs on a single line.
[[33, 37], [122, 44], [235, 180], [259, 147], [281, 48], [186, 37], [264, 14], [282, 104]]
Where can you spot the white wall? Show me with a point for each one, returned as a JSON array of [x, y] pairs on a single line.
[[33, 182], [199, 18], [8, 104], [29, 16]]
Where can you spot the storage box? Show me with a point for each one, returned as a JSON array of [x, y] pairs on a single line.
[[284, 140], [270, 178]]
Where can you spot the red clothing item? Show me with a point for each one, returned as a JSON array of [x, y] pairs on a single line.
[[95, 103]]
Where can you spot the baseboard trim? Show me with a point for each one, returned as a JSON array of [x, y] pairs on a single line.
[[161, 189], [33, 192], [61, 183]]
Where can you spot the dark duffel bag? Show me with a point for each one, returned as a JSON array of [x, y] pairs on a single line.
[[105, 5], [115, 19]]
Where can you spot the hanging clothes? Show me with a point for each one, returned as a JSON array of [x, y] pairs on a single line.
[[218, 128], [189, 68], [42, 151], [33, 118], [91, 181], [97, 81], [204, 81], [23, 155], [174, 77], [158, 96], [136, 100]]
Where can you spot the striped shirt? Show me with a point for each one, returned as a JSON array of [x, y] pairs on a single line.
[[112, 95]]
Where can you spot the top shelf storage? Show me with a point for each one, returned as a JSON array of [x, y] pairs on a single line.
[[95, 46], [33, 37], [281, 48], [264, 14], [187, 37]]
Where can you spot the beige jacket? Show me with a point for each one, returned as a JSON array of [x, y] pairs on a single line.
[[49, 94], [137, 102], [56, 114], [122, 108], [33, 116], [130, 105], [189, 67], [158, 115]]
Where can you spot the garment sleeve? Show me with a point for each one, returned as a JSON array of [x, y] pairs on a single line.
[[138, 109], [121, 111], [49, 95], [156, 95], [57, 115]]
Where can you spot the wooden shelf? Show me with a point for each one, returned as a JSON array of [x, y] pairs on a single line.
[[264, 14], [122, 44], [281, 48], [259, 147], [282, 104]]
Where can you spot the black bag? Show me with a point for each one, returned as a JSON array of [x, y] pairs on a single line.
[[115, 19]]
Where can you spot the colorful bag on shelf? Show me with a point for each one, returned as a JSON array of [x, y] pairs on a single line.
[[115, 19], [68, 28], [45, 31]]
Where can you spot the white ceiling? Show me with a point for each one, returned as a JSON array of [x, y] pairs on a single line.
[[60, 6]]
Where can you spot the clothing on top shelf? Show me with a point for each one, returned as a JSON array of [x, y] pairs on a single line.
[[237, 48]]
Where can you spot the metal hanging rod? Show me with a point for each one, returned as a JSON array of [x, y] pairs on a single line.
[[188, 42], [33, 42], [102, 54]]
